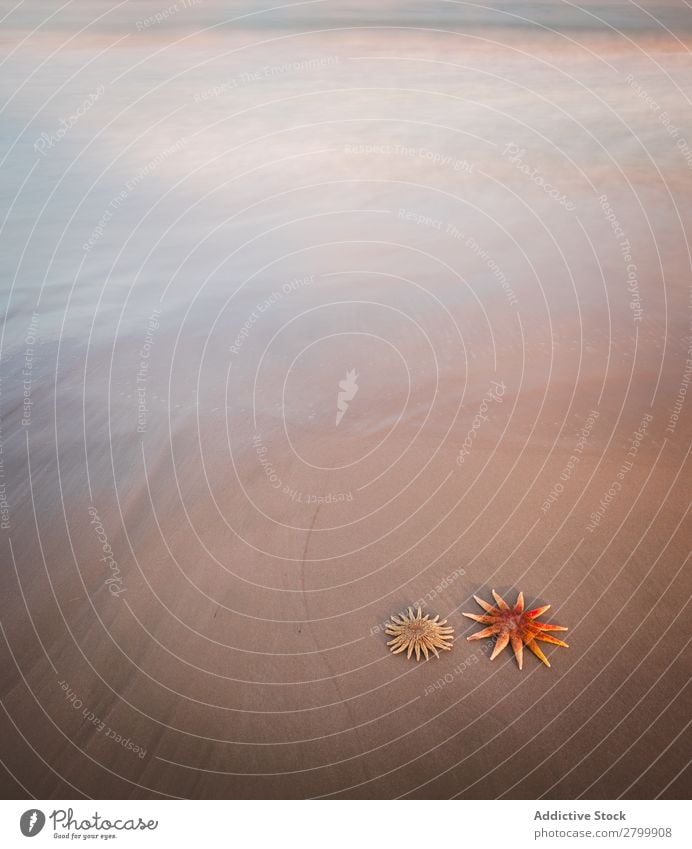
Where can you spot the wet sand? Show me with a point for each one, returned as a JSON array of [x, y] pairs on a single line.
[[487, 228]]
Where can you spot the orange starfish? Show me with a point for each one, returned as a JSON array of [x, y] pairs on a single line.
[[515, 625]]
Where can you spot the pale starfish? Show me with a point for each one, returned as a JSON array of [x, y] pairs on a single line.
[[418, 633]]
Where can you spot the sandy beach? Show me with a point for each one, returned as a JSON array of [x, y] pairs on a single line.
[[310, 315]]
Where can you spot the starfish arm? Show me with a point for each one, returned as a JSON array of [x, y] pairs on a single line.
[[487, 607], [518, 649], [396, 619], [435, 651], [486, 632], [410, 650], [401, 648], [411, 614], [531, 646], [547, 639], [425, 650], [501, 603], [502, 641], [519, 606], [420, 613], [486, 620], [395, 640], [532, 614], [543, 626], [417, 650]]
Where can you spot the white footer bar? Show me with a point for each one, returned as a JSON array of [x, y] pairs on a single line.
[[344, 824]]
